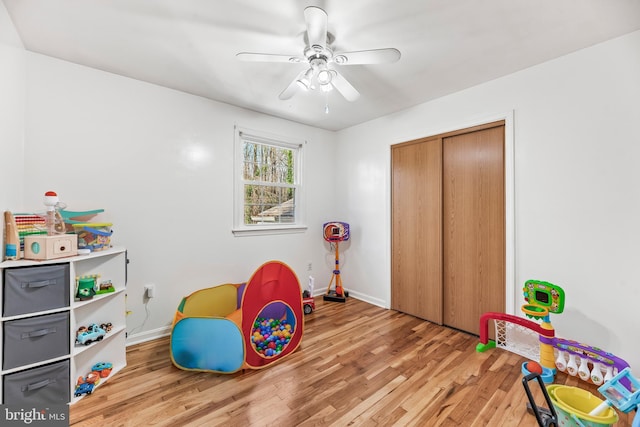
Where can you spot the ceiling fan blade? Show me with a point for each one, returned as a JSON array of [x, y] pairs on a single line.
[[316, 20], [292, 88], [344, 87], [269, 57], [374, 56]]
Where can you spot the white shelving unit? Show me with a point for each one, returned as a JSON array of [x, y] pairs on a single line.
[[111, 265]]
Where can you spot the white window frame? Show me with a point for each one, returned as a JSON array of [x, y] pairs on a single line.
[[239, 227]]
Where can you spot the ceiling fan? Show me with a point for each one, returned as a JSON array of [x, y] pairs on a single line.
[[322, 72]]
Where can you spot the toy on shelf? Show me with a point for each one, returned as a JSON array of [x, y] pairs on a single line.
[[86, 385], [93, 236], [334, 233], [92, 333], [230, 327], [537, 341], [49, 234], [55, 243], [105, 287], [55, 224], [78, 217], [86, 286], [11, 237], [103, 369], [28, 225], [83, 388]]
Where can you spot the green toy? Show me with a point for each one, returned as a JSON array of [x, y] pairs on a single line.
[[86, 286]]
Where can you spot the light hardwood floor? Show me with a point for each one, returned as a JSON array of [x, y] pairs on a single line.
[[358, 364]]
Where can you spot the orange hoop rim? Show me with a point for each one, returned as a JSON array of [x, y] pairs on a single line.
[[534, 310]]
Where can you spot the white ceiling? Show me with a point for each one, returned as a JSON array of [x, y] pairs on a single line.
[[190, 45]]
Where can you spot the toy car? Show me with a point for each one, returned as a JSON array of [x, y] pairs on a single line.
[[84, 388], [93, 333], [308, 303]]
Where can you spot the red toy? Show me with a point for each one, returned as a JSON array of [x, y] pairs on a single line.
[[308, 303]]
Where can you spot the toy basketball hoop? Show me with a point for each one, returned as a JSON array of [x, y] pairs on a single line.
[[334, 233]]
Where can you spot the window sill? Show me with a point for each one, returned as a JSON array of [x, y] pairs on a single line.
[[262, 230]]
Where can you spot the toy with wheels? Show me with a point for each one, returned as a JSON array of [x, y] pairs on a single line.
[[548, 416], [87, 335], [568, 406], [85, 385], [239, 326], [84, 388], [623, 392], [308, 303]]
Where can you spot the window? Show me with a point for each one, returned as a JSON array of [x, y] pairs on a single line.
[[268, 191]]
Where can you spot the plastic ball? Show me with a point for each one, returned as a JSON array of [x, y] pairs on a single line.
[[269, 337], [533, 367]]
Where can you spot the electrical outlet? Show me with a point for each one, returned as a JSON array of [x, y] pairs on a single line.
[[150, 290], [309, 266]]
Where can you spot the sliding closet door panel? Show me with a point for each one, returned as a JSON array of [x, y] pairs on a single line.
[[473, 227], [416, 229]]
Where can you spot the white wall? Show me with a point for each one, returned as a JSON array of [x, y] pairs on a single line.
[[12, 87], [577, 198], [104, 141]]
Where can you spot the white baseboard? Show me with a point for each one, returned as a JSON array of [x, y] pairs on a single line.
[[368, 298], [148, 335], [357, 295]]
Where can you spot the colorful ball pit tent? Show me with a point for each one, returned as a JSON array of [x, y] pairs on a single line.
[[230, 327]]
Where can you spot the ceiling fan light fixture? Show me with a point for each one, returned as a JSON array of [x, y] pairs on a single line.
[[324, 77], [305, 81]]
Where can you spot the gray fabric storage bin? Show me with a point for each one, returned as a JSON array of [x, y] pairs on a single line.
[[37, 288], [47, 384], [35, 339]]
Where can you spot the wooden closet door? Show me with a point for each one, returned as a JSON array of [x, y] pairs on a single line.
[[473, 227], [416, 229]]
